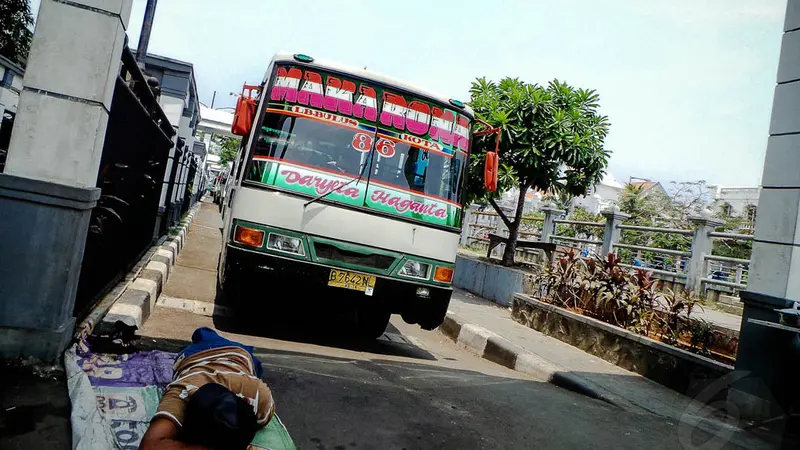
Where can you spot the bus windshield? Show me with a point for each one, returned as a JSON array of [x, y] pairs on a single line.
[[410, 163]]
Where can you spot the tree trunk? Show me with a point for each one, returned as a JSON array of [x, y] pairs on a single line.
[[513, 229]]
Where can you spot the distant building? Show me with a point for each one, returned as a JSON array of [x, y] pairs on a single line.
[[214, 122], [736, 202], [178, 96], [599, 197], [179, 100], [648, 186], [10, 86], [602, 195]]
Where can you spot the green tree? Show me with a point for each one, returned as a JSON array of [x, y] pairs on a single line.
[[654, 208], [561, 200], [15, 35], [580, 214], [732, 248], [634, 202], [229, 146], [551, 140]]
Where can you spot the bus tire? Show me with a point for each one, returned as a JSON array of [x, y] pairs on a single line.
[[228, 292], [371, 322]]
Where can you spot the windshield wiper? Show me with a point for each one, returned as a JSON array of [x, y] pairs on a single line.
[[356, 179]]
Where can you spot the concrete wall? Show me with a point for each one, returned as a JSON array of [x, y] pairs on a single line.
[[490, 281], [173, 108], [677, 369]]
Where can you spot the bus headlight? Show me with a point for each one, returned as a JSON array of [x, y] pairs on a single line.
[[415, 269], [288, 244]]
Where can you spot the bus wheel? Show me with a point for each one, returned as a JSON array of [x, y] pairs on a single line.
[[371, 322], [228, 293]]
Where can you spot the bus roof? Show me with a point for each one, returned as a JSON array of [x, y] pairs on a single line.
[[284, 57]]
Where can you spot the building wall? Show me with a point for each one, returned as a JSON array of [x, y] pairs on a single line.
[[739, 200], [173, 108], [603, 197]]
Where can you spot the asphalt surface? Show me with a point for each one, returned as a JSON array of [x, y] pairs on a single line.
[[411, 389], [414, 389]]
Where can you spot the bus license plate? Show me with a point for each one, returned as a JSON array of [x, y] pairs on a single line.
[[352, 280]]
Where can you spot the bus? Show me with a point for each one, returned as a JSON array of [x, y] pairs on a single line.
[[346, 192]]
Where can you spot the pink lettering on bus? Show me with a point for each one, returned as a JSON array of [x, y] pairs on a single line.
[[461, 133], [394, 110], [321, 185], [286, 84], [442, 125], [402, 205], [418, 116], [339, 95], [310, 92], [366, 105]]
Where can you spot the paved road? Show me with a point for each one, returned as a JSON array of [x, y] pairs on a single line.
[[412, 389], [416, 390]]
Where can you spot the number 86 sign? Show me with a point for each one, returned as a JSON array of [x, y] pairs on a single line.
[[363, 143]]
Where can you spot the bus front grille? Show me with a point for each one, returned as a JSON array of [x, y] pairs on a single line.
[[333, 253]]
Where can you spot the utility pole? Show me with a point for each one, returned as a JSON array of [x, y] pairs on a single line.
[[147, 26], [213, 97]]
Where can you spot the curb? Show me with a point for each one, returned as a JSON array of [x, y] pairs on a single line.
[[493, 347], [134, 298]]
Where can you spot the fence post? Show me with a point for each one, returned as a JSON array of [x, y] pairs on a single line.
[[611, 232], [702, 244], [466, 229], [739, 273], [548, 226], [500, 229]]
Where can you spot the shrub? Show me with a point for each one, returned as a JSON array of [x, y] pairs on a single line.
[[629, 299]]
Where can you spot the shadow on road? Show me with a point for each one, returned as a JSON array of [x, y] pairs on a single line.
[[310, 325], [340, 403]]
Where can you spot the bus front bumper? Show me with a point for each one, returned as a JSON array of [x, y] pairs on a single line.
[[263, 277]]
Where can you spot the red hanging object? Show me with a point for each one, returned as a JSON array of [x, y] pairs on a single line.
[[492, 158], [245, 111], [490, 171]]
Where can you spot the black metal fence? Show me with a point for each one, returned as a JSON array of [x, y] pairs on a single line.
[[132, 168]]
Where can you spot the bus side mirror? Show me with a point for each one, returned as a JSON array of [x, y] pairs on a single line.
[[490, 171], [492, 158], [245, 111]]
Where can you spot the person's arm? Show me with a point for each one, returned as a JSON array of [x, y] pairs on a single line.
[[162, 434]]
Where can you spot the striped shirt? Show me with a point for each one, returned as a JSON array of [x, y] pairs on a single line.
[[229, 366]]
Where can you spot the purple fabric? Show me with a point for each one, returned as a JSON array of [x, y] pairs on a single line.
[[153, 368]]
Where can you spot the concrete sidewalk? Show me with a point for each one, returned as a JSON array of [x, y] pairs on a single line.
[[194, 274], [487, 329], [721, 318], [610, 382]]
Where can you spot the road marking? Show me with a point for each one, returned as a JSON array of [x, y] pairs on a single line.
[[193, 306]]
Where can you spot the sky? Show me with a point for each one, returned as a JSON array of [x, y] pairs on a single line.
[[687, 84]]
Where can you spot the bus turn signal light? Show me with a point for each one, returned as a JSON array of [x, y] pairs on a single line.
[[443, 274], [248, 236]]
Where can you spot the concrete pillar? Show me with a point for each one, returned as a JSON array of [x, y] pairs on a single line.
[[702, 245], [48, 190], [611, 233], [551, 213], [770, 357], [176, 186], [165, 192], [466, 229]]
